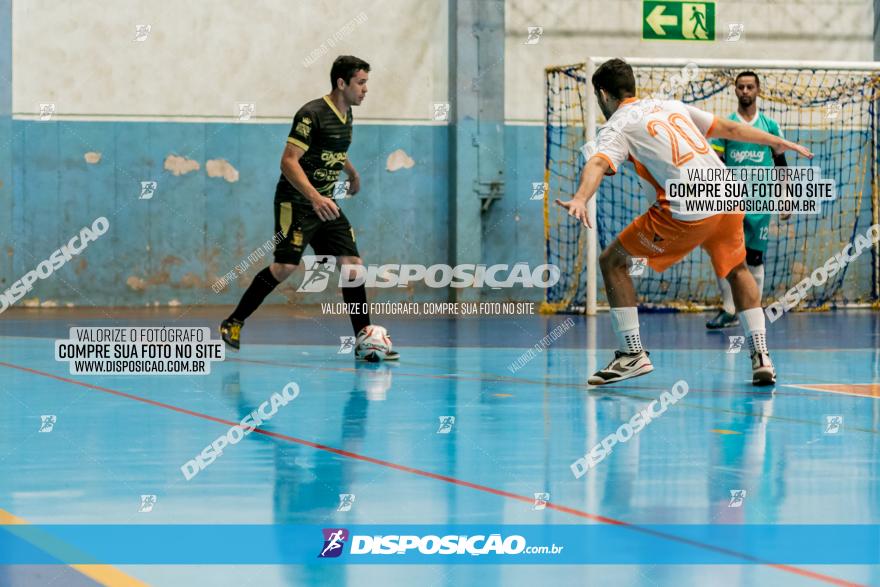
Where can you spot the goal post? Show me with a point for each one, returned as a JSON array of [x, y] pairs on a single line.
[[830, 107]]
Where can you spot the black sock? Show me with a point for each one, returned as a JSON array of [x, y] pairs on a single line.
[[357, 295], [260, 287]]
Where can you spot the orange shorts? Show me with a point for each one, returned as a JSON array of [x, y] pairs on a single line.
[[665, 241]]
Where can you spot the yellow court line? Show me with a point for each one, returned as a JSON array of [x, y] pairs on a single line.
[[107, 575]]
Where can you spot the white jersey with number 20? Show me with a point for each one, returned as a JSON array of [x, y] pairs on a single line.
[[661, 138]]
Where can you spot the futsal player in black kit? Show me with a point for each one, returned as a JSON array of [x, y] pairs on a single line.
[[305, 212]]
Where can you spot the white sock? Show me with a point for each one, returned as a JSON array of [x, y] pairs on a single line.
[[756, 333], [757, 272], [726, 296], [625, 322]]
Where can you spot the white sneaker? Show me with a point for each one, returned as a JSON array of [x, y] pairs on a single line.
[[373, 344], [623, 366], [763, 372]]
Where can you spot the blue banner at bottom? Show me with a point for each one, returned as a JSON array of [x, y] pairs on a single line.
[[440, 544]]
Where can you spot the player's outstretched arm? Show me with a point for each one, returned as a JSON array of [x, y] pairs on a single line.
[[592, 176], [325, 208], [736, 131]]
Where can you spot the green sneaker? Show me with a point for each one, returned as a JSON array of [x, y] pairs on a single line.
[[722, 320]]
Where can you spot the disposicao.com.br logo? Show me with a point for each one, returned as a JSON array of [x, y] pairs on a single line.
[[334, 540], [319, 269]]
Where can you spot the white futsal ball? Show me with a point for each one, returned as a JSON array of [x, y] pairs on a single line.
[[372, 344]]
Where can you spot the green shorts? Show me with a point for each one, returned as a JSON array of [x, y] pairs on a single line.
[[757, 231]]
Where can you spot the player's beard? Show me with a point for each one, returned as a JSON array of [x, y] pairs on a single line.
[[606, 111], [746, 101]]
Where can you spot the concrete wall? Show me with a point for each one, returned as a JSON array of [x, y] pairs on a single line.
[[201, 58]]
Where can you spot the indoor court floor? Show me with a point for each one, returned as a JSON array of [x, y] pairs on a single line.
[[804, 452]]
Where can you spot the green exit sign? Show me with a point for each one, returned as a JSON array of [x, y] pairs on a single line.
[[678, 21]]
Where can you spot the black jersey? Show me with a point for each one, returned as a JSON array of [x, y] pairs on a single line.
[[325, 135]]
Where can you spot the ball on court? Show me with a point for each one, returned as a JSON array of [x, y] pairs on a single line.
[[373, 344]]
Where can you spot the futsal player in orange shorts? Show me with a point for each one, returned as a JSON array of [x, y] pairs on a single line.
[[662, 138]]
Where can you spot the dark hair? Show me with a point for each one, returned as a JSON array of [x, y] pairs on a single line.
[[748, 74], [615, 76], [345, 67]]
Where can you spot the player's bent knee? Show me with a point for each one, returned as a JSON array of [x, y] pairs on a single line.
[[736, 272], [351, 260], [281, 271], [611, 259]]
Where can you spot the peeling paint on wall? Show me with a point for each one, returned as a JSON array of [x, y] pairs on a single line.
[[92, 157], [399, 160], [221, 168], [36, 303], [166, 250], [163, 276], [191, 280], [180, 165], [136, 283]]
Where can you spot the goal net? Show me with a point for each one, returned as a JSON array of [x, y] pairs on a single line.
[[831, 108]]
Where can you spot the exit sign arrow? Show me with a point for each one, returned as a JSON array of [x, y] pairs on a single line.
[[657, 20]]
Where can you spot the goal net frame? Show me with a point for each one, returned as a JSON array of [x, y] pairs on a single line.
[[590, 125]]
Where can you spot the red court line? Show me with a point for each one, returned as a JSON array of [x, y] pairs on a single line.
[[452, 480]]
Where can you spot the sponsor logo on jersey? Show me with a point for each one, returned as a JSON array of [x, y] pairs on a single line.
[[303, 129], [333, 157], [748, 155], [330, 175]]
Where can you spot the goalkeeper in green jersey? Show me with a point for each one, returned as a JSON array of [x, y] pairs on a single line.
[[737, 154]]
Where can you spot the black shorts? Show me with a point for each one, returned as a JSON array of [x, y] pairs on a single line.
[[298, 227]]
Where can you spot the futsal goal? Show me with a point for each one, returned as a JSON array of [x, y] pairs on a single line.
[[830, 107]]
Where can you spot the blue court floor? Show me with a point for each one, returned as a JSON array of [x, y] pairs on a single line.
[[374, 431]]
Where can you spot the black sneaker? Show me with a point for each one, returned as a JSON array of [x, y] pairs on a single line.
[[230, 332], [722, 320], [623, 366]]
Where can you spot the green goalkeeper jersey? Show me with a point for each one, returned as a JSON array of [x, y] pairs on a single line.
[[739, 154]]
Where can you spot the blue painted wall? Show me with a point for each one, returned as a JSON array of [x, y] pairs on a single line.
[[197, 228], [5, 136]]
